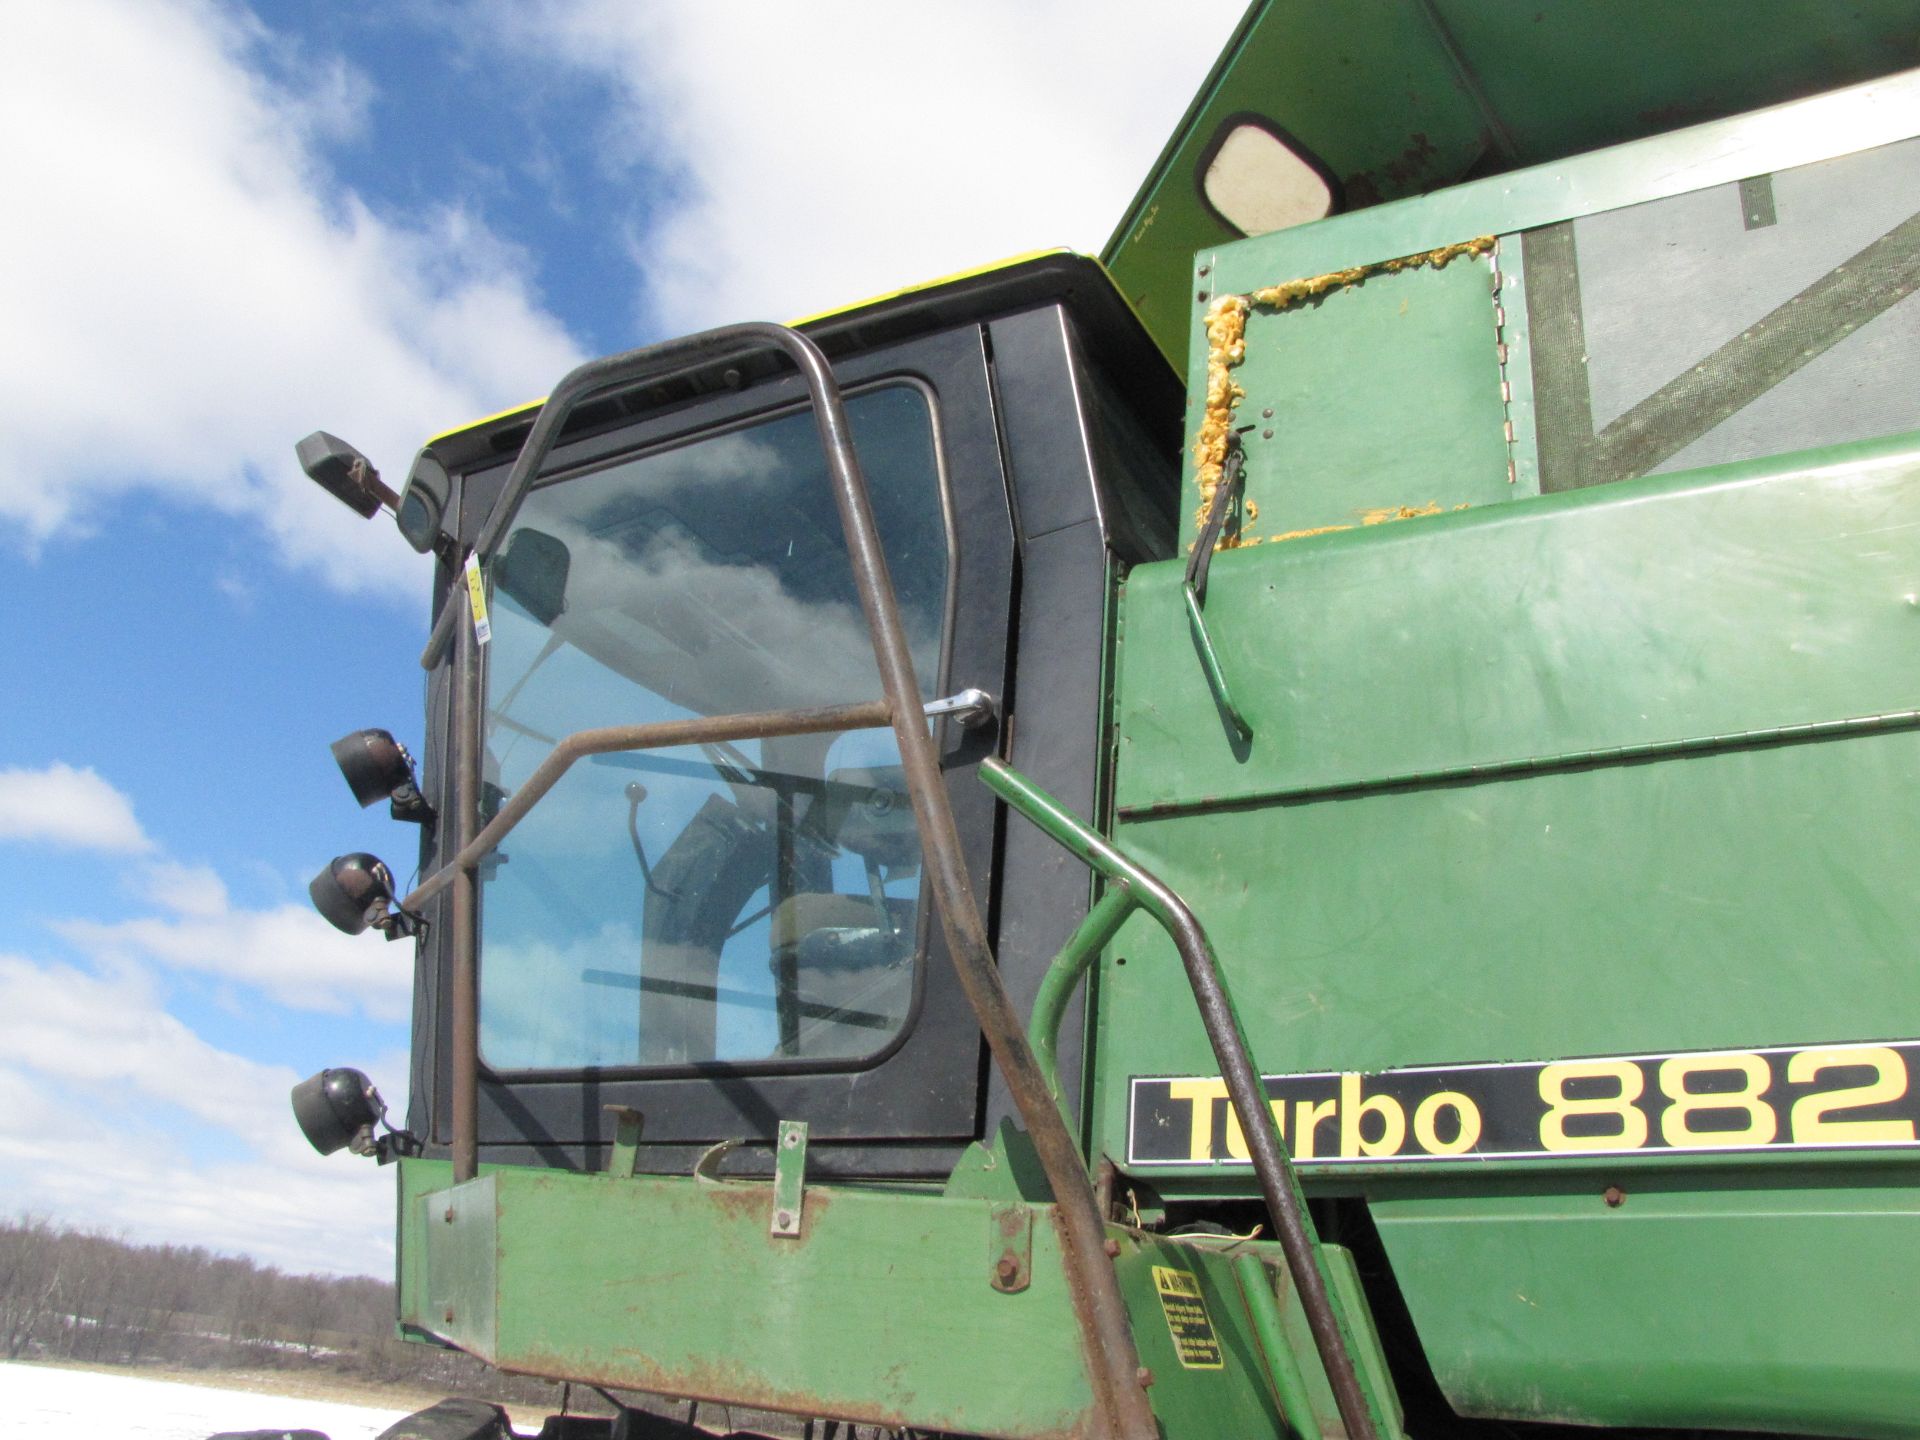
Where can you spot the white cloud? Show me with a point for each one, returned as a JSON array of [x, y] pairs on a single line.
[[187, 293], [101, 1087], [64, 806], [287, 953], [836, 150]]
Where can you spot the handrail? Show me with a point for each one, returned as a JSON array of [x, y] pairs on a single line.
[[704, 730], [1083, 947], [1138, 888], [1106, 1336]]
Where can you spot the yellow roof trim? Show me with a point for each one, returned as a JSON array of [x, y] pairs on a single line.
[[872, 300], [992, 265], [511, 410]]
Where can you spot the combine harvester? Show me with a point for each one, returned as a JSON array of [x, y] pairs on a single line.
[[1406, 920]]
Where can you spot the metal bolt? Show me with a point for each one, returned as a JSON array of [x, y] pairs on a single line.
[[1614, 1196], [1205, 270], [783, 1219], [1203, 297], [1144, 1376], [1008, 1270], [793, 1139], [1112, 1247]]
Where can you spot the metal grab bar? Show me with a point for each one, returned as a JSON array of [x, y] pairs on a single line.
[[1138, 888], [1106, 1336], [610, 739]]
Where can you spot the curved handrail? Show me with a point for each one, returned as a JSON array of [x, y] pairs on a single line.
[[1111, 1357], [1139, 888]]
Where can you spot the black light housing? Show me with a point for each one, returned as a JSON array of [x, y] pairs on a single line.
[[344, 473], [423, 502], [357, 891], [337, 1109], [377, 767]]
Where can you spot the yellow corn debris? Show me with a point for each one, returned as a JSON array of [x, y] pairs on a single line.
[[1226, 327]]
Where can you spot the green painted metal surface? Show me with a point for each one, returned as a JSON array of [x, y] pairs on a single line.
[[1297, 64], [1401, 97], [882, 1310], [1777, 1309], [1694, 605], [1618, 772], [1238, 1390], [1378, 397]]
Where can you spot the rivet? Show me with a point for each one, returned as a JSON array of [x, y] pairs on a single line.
[[1202, 297], [1614, 1196], [1267, 414], [783, 1219], [1112, 1247], [1008, 1269], [1205, 270], [1144, 1376], [448, 1216], [1266, 434], [448, 1315]]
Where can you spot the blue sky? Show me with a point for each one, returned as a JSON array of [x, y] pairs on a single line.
[[232, 224]]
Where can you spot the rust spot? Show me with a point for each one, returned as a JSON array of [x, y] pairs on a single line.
[[724, 1383], [753, 1203], [1414, 161], [1403, 173]]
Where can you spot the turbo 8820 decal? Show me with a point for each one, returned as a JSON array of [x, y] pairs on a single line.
[[1845, 1095]]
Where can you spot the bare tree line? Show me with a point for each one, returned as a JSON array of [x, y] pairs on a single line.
[[81, 1295]]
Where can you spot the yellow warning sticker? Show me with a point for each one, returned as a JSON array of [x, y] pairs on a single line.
[[1187, 1319], [477, 598]]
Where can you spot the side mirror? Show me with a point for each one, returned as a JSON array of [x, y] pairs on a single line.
[[423, 502], [344, 473]]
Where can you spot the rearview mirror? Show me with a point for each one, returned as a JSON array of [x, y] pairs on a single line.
[[532, 571]]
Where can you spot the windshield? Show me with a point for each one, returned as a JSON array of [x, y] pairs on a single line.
[[707, 903]]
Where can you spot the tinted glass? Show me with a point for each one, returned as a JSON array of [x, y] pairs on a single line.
[[718, 903]]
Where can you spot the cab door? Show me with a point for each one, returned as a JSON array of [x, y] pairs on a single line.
[[721, 937]]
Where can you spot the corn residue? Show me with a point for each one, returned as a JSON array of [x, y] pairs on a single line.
[[1226, 326], [1384, 513]]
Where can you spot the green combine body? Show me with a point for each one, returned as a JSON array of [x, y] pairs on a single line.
[[1497, 671]]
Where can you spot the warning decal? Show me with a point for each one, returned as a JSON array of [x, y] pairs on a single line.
[[1187, 1319]]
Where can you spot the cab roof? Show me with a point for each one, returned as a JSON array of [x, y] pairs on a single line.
[[1077, 282]]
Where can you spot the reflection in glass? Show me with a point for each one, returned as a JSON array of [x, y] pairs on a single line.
[[709, 903]]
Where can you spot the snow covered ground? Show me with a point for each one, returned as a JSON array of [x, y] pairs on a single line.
[[40, 1402]]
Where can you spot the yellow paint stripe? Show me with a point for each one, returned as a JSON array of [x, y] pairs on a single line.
[[958, 275], [867, 304], [527, 409]]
